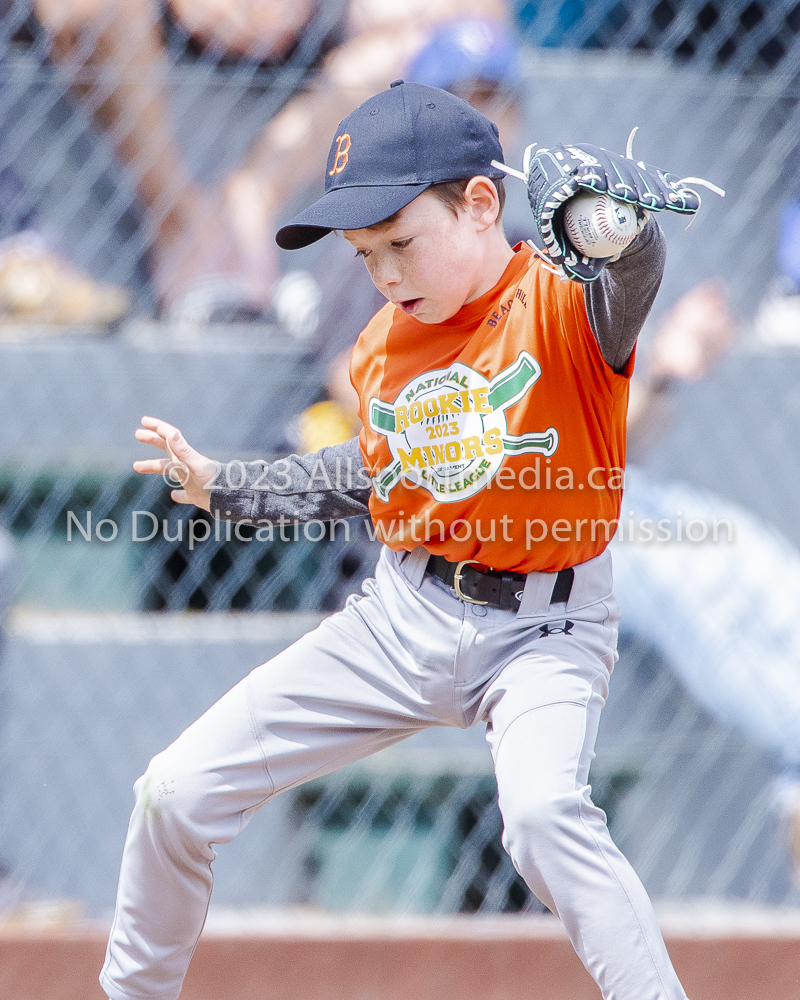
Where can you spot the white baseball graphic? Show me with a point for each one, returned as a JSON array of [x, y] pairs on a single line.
[[598, 225]]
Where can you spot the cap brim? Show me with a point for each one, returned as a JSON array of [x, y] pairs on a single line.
[[346, 208]]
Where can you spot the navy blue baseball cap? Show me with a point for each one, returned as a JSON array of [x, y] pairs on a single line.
[[388, 151]]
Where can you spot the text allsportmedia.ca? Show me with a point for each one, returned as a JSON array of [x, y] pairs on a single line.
[[538, 475], [146, 527]]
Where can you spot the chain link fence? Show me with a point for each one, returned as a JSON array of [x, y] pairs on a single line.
[[94, 681], [108, 540], [742, 37], [114, 131]]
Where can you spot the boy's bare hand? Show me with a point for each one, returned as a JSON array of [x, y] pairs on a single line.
[[186, 466]]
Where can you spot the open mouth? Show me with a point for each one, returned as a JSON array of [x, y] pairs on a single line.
[[410, 306]]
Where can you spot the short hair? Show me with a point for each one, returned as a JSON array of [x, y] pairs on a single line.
[[451, 195]]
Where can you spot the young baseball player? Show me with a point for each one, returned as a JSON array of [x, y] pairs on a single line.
[[493, 395]]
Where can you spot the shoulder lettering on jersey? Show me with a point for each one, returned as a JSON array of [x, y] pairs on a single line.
[[503, 310], [447, 430]]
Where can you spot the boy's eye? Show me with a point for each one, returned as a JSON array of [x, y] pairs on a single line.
[[362, 253], [400, 244]]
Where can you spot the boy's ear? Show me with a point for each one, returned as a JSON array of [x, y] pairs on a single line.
[[480, 197]]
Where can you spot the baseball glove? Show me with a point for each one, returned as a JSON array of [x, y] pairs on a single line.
[[554, 175]]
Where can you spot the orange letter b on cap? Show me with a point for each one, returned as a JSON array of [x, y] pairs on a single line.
[[341, 158]]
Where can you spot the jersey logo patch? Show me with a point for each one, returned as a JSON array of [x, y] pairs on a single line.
[[447, 429]]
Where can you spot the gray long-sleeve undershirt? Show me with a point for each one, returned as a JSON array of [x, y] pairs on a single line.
[[334, 483], [327, 484], [618, 302]]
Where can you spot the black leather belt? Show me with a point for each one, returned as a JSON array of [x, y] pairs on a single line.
[[491, 586]]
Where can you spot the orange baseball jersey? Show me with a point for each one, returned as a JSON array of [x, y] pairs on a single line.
[[498, 435]]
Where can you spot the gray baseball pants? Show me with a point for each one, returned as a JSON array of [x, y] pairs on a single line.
[[406, 655]]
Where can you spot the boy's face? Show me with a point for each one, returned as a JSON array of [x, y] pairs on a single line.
[[428, 261]]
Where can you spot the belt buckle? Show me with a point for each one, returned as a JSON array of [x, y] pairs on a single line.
[[457, 578]]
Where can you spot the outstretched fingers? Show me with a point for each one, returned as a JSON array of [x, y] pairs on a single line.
[[191, 473], [168, 438], [152, 466], [150, 437], [155, 432]]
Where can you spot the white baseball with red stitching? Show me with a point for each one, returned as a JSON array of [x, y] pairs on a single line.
[[599, 226]]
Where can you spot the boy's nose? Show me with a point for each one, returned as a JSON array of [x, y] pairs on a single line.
[[386, 274]]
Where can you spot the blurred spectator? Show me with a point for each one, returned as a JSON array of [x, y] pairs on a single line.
[[693, 334], [778, 319], [789, 249], [712, 607], [40, 287], [333, 420], [217, 244], [477, 59]]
